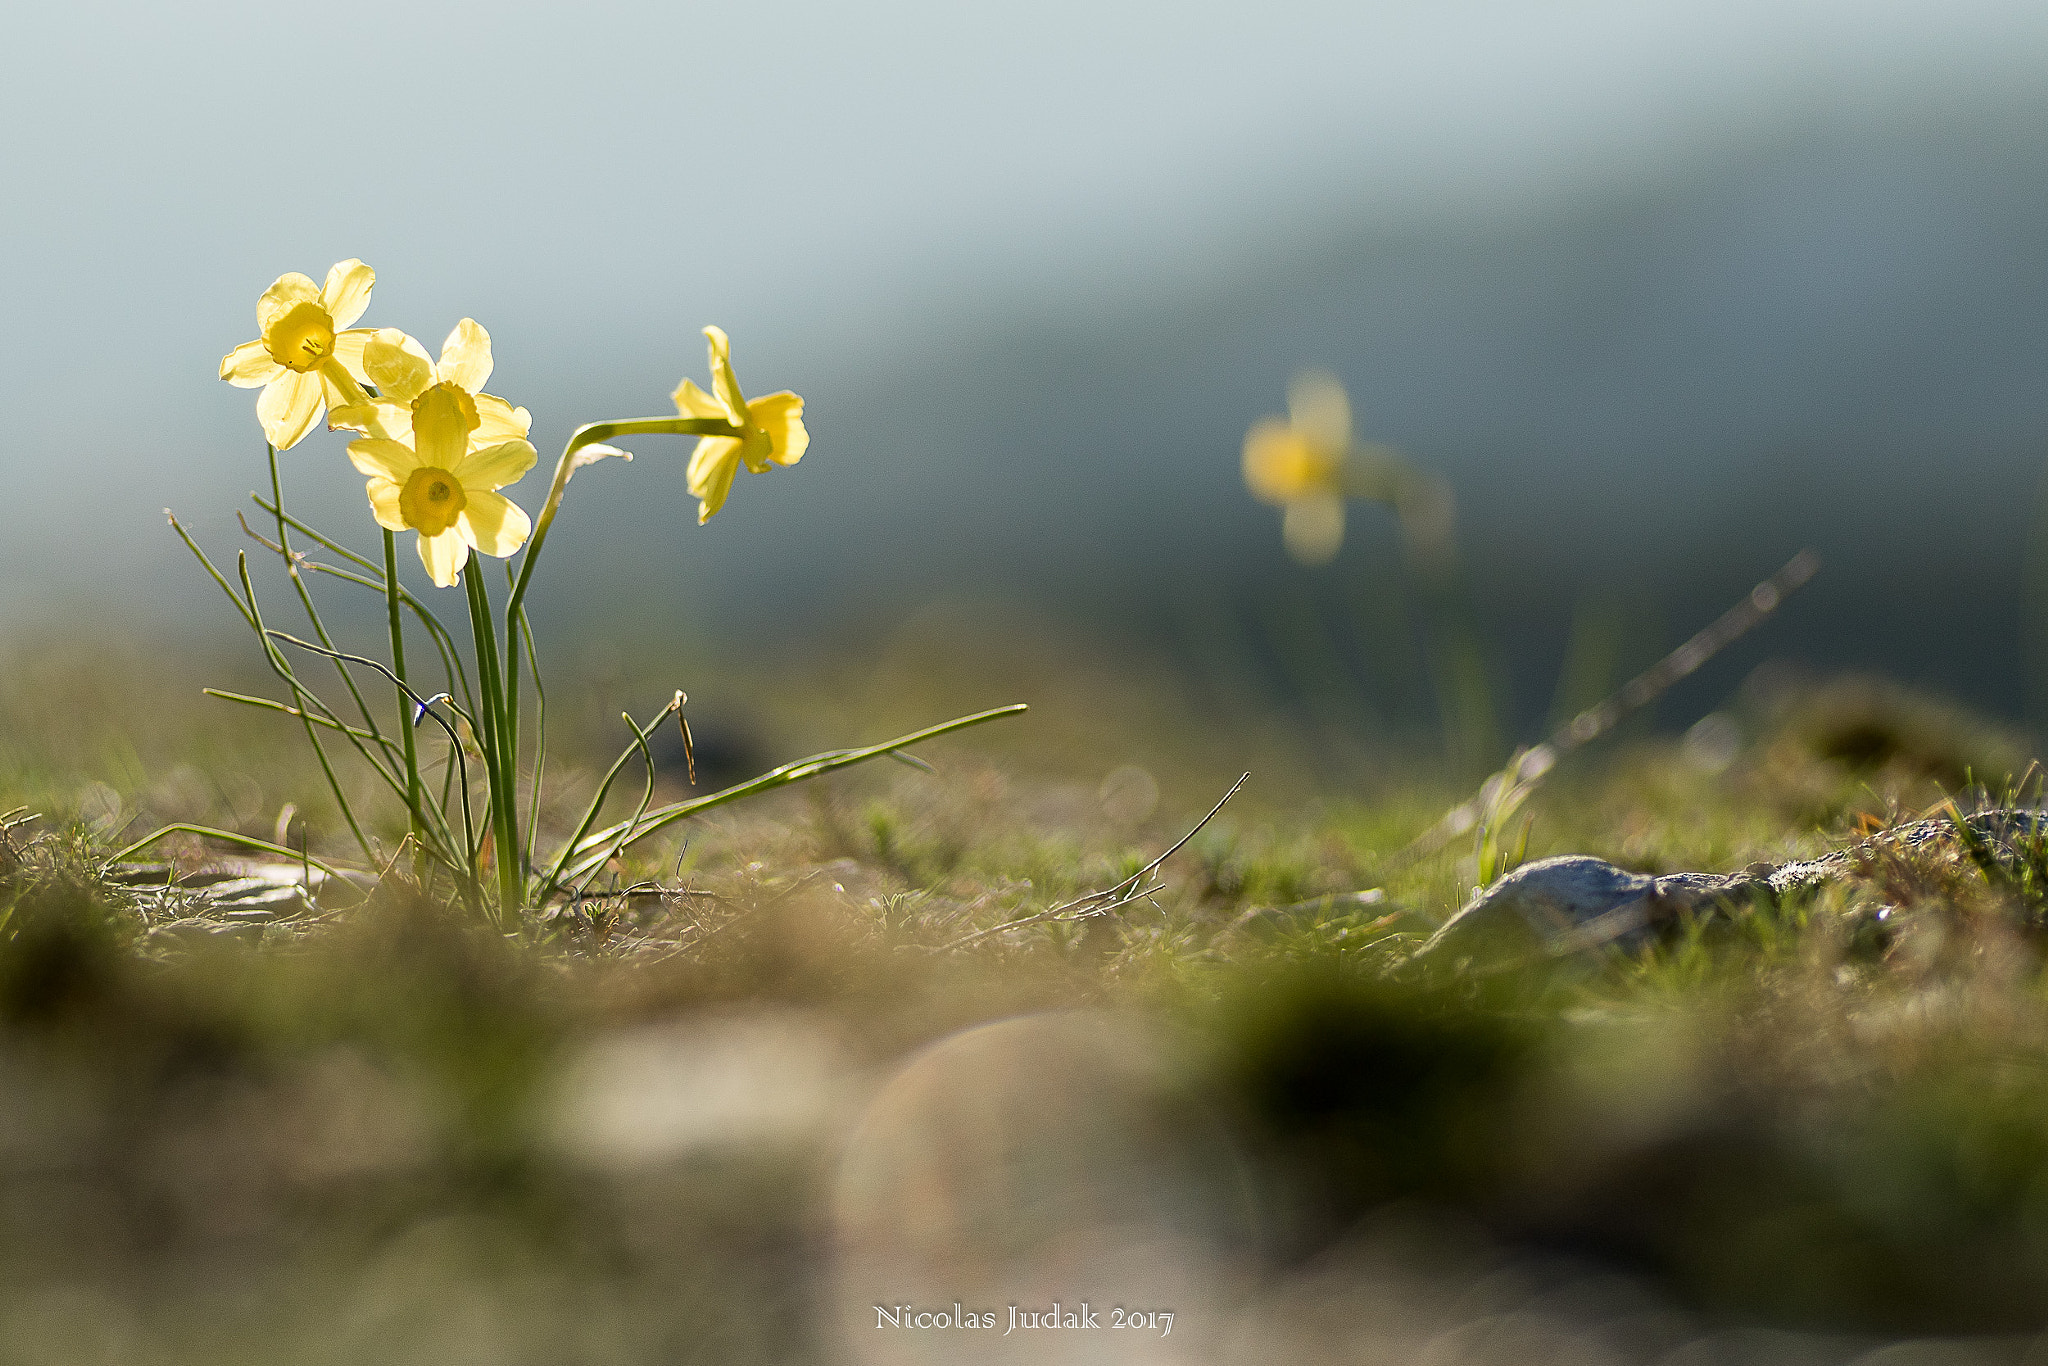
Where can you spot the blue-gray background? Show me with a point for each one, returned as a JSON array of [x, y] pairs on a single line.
[[1667, 290]]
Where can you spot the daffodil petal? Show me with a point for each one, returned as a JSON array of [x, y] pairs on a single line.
[[249, 365], [347, 291], [397, 365], [499, 421], [1313, 528], [353, 417], [495, 466], [694, 402], [338, 388], [379, 417], [466, 356], [289, 291], [712, 467], [781, 416], [755, 450], [348, 349], [1320, 412], [493, 523], [288, 406], [383, 459], [723, 382], [384, 504], [443, 555]]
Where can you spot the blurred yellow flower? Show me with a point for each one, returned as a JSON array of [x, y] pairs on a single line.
[[772, 429], [1298, 463], [404, 374], [441, 487], [305, 358]]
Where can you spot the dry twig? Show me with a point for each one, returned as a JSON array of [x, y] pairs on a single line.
[[1136, 887]]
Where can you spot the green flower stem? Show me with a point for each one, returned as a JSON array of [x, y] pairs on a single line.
[[413, 800], [309, 704], [499, 763], [540, 728], [588, 434], [446, 845]]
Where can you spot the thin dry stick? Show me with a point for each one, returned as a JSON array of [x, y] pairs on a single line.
[[1133, 888], [1597, 720]]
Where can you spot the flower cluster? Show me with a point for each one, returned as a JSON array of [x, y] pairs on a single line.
[[437, 450], [438, 453], [435, 447]]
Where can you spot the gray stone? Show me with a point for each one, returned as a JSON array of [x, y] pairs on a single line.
[[1575, 902]]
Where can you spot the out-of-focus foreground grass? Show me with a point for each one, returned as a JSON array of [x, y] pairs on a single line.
[[751, 1113]]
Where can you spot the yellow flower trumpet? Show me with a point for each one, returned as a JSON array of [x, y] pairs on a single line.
[[771, 429], [306, 358], [442, 488]]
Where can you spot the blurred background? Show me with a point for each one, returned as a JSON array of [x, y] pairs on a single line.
[[1666, 292]]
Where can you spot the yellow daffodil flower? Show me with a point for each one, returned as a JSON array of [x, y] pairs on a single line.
[[305, 358], [441, 487], [772, 429], [404, 374], [1298, 463]]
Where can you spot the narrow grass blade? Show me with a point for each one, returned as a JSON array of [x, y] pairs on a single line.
[[229, 836], [582, 850]]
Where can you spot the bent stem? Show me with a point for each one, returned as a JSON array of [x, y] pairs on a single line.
[[501, 708], [590, 434]]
